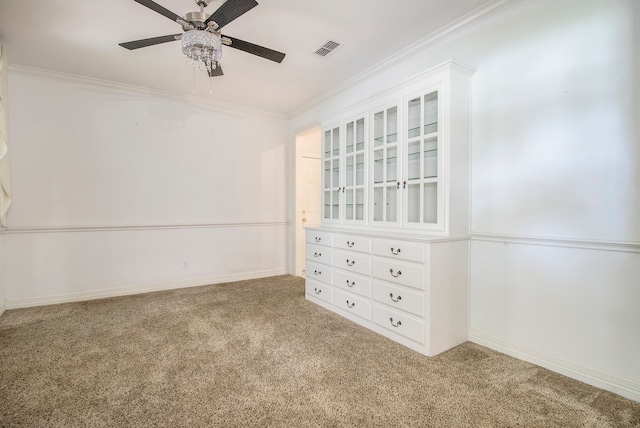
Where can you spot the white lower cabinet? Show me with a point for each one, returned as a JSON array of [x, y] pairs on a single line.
[[399, 298], [319, 290], [410, 289], [352, 304], [352, 282], [350, 261], [400, 323], [409, 274]]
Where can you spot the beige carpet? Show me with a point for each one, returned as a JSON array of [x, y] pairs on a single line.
[[255, 353]]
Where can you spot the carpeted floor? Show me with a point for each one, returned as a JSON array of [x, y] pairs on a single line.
[[255, 354]]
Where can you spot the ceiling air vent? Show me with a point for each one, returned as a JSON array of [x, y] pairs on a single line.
[[327, 48]]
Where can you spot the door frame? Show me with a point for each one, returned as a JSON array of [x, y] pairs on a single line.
[[307, 144]]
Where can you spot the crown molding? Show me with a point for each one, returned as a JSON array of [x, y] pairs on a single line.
[[368, 102], [463, 23], [28, 71]]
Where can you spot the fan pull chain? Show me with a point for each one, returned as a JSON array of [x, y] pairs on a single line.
[[210, 85]]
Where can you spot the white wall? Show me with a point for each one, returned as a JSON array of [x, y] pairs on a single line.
[[555, 180], [4, 161], [114, 188]]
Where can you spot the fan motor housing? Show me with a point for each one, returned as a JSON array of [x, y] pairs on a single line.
[[196, 18]]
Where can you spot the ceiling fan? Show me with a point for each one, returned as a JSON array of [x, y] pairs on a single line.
[[201, 37]]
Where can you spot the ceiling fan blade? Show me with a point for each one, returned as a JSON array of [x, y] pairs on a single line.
[[216, 71], [161, 10], [230, 10], [260, 51], [136, 44]]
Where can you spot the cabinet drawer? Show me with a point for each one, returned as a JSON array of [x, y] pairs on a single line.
[[319, 272], [352, 262], [399, 323], [411, 275], [320, 254], [352, 243], [399, 298], [319, 238], [352, 304], [318, 290], [410, 251], [352, 282]]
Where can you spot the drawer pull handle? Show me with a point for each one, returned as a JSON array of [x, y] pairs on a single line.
[[350, 305], [351, 263], [350, 284], [395, 300], [395, 252], [398, 324], [395, 275], [317, 291], [317, 272], [318, 239], [317, 254], [350, 244]]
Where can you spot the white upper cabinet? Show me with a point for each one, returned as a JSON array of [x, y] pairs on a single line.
[[404, 163], [345, 171], [385, 179], [331, 177], [422, 185], [354, 186]]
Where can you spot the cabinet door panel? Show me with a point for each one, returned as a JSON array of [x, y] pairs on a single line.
[[332, 174], [421, 183], [386, 166]]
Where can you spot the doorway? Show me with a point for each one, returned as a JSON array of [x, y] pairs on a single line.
[[308, 190]]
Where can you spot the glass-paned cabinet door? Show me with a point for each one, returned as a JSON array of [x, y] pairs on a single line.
[[331, 186], [354, 184], [385, 171], [422, 161]]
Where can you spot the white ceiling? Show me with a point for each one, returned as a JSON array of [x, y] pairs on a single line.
[[81, 37]]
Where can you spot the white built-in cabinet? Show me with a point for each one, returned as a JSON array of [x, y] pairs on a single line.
[[392, 250], [344, 180]]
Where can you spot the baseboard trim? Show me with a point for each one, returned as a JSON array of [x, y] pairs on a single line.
[[3, 308], [126, 291], [617, 385]]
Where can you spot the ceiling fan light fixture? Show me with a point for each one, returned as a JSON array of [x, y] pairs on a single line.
[[202, 46]]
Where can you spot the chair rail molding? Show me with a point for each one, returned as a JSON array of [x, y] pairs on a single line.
[[110, 228], [551, 241]]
